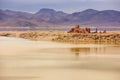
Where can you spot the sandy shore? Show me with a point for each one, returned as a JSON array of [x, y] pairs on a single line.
[[9, 43], [111, 37]]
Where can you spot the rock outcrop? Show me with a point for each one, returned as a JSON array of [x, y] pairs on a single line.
[[77, 29]]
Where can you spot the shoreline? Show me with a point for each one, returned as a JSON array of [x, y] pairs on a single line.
[[110, 37]]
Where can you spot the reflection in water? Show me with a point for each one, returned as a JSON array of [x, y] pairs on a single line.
[[53, 63], [78, 51], [87, 51]]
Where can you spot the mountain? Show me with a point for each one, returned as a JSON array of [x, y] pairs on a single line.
[[46, 17], [50, 16], [14, 18], [90, 16]]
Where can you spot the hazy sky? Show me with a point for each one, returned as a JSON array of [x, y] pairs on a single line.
[[68, 6]]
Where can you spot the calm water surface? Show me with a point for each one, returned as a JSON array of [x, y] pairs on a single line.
[[75, 63]]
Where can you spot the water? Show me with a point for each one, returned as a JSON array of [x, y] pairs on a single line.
[[27, 60]]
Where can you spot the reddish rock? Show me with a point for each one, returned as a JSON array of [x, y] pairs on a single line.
[[77, 29], [104, 31]]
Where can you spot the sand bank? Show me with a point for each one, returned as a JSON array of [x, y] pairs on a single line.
[[112, 37]]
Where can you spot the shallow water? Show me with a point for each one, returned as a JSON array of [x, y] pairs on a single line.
[[27, 60]]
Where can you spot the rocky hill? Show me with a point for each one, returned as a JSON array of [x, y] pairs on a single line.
[[46, 17]]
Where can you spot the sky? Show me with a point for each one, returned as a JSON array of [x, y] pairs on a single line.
[[68, 6]]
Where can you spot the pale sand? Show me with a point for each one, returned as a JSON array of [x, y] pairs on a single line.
[[21, 60], [14, 45]]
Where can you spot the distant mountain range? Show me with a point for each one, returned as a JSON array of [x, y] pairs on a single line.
[[46, 17]]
